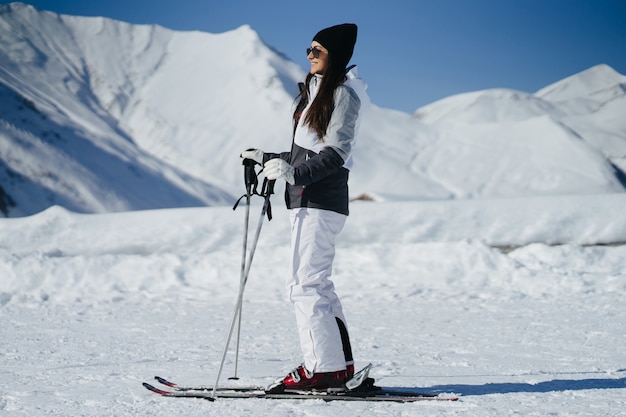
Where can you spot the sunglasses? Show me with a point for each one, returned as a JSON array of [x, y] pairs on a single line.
[[314, 51]]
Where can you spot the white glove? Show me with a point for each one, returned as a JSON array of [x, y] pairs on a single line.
[[255, 154], [279, 168]]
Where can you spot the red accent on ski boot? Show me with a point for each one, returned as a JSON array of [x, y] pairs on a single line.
[[350, 371], [300, 379]]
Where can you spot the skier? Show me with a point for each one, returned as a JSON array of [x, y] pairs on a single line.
[[326, 120]]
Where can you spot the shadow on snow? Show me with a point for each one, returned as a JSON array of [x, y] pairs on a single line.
[[511, 387]]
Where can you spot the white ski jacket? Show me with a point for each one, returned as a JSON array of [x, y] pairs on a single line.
[[321, 168]]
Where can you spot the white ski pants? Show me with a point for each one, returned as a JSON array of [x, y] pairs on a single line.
[[310, 290]]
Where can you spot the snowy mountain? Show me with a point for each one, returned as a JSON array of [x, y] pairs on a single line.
[[594, 105], [99, 115], [60, 141], [565, 132]]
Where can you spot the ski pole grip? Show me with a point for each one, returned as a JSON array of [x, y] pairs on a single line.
[[248, 162], [249, 173]]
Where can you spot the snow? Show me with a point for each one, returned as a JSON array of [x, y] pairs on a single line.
[[461, 296], [491, 263]]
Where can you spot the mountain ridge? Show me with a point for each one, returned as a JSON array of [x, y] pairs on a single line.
[[175, 109]]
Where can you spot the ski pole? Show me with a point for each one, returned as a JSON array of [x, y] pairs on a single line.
[[250, 179], [267, 192]]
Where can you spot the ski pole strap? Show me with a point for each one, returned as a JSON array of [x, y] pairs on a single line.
[[268, 188], [267, 191]]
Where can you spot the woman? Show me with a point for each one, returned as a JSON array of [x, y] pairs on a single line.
[[325, 122]]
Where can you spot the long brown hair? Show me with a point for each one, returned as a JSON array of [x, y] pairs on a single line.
[[318, 116]]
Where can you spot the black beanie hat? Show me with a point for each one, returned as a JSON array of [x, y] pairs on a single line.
[[339, 40]]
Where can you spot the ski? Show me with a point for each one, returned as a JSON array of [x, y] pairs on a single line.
[[177, 387], [377, 394], [360, 388]]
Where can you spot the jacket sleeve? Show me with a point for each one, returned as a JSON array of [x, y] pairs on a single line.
[[272, 155], [319, 166], [341, 130]]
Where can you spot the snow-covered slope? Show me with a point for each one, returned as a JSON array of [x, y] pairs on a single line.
[[45, 162], [138, 116], [92, 305]]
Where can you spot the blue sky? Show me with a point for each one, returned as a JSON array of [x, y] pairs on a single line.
[[411, 52]]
